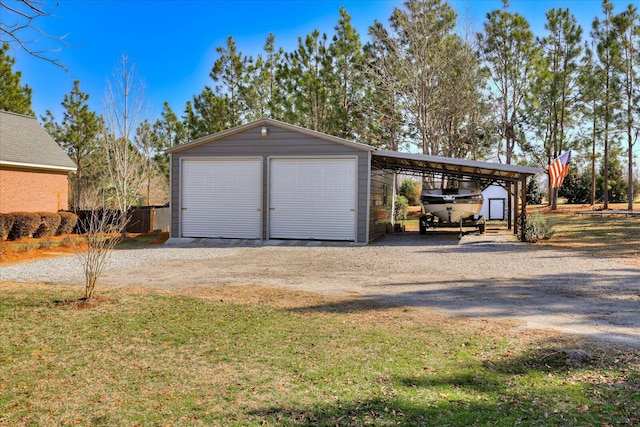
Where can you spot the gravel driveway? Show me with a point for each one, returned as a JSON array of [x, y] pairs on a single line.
[[487, 276]]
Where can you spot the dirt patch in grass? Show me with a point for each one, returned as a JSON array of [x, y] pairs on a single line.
[[82, 303]]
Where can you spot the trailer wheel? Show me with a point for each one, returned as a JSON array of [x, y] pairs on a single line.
[[423, 224]]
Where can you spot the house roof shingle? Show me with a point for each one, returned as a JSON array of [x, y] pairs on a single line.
[[25, 143]]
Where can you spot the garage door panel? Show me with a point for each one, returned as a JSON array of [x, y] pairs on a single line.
[[222, 198], [312, 199]]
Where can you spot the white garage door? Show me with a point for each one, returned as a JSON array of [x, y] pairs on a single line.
[[312, 199], [222, 198]]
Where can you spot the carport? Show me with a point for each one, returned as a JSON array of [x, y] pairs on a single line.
[[513, 176]]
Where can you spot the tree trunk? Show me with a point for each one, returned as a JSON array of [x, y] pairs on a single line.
[[605, 177], [593, 163]]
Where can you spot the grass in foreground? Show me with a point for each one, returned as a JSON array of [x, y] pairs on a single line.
[[241, 356]]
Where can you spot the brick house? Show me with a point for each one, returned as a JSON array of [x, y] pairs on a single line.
[[34, 170]]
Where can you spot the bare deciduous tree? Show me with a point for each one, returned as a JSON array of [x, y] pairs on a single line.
[[126, 141], [102, 233], [18, 26]]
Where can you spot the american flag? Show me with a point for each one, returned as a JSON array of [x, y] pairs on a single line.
[[558, 169]]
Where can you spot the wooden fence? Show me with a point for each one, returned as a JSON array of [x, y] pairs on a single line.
[[144, 219]]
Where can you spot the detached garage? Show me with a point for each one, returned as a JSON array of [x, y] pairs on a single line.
[[271, 180]]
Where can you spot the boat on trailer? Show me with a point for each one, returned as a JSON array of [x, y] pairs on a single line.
[[453, 203]]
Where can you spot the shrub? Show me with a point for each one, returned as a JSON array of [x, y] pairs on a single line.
[[25, 247], [45, 243], [68, 221], [576, 188], [49, 223], [66, 242], [534, 192], [6, 223], [411, 190], [535, 227], [24, 225], [401, 208]]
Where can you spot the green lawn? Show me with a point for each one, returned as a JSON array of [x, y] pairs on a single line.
[[283, 358]]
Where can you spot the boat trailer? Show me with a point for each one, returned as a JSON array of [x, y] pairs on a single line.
[[432, 222]]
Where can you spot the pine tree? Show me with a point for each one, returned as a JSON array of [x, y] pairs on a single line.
[[628, 29], [168, 132], [206, 114], [612, 186], [608, 52], [385, 125], [263, 92], [510, 54], [589, 83], [418, 44], [230, 71], [460, 110], [13, 96], [576, 187], [307, 76], [346, 52], [556, 90], [76, 134]]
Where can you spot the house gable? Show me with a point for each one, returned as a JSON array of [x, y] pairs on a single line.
[[25, 143], [33, 168]]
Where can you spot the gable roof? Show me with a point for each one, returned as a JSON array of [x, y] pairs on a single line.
[[267, 123], [25, 143], [394, 160]]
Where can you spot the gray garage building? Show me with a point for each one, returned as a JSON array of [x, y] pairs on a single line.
[[269, 180]]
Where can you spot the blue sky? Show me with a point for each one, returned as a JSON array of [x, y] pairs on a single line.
[[173, 42]]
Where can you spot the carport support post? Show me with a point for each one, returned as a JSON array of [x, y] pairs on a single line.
[[515, 207], [510, 211], [523, 215]]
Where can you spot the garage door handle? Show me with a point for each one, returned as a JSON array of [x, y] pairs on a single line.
[[258, 210], [353, 210], [184, 209], [272, 209]]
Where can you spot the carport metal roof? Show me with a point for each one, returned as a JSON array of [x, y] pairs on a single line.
[[411, 163]]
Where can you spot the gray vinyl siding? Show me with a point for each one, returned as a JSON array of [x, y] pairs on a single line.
[[381, 206], [279, 143]]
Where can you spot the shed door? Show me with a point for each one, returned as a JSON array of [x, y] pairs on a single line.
[[313, 199], [496, 209], [222, 198]]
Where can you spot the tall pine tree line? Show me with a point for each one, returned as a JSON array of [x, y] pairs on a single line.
[[417, 84]]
